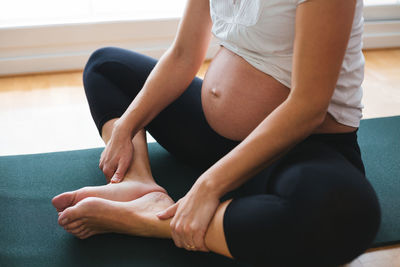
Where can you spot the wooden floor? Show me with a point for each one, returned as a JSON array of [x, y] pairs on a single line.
[[49, 112]]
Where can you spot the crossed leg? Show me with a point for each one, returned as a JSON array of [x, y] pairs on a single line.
[[128, 207]]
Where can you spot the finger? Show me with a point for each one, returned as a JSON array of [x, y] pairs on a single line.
[[174, 235], [184, 236], [188, 237], [101, 161], [179, 235], [108, 171], [177, 241], [199, 240], [100, 165], [168, 213], [189, 244], [120, 172], [190, 247]]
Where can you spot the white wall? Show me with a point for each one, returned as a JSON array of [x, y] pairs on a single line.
[[68, 46]]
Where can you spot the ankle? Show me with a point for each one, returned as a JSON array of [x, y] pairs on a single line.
[[140, 175], [144, 179]]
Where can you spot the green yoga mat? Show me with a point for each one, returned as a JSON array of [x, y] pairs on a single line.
[[30, 235]]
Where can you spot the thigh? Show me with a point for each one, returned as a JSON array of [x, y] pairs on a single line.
[[181, 128], [311, 208], [315, 166], [319, 155]]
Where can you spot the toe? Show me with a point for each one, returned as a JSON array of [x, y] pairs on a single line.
[[88, 234], [83, 234], [63, 201], [81, 211], [78, 230], [73, 225], [69, 215]]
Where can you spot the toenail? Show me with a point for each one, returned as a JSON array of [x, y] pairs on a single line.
[[64, 221]]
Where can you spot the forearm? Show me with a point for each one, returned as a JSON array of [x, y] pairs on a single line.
[[166, 82], [287, 125]]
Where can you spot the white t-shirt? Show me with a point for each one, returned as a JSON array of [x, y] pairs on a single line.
[[262, 32]]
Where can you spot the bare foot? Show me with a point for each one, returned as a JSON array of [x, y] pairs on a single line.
[[128, 189], [137, 217]]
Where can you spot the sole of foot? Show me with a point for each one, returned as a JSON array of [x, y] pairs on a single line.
[[126, 190], [137, 217]]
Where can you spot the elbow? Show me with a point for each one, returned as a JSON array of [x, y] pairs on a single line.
[[319, 118], [310, 115], [315, 117]]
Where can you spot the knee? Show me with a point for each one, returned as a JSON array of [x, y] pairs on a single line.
[[337, 221], [97, 57]]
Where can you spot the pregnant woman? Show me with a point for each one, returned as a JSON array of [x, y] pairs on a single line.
[[274, 125]]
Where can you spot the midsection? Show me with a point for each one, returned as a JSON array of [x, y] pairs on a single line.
[[236, 97]]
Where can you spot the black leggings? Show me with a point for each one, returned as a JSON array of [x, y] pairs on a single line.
[[312, 207]]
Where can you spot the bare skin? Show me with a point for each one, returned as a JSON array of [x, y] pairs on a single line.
[[128, 207], [223, 104], [137, 217], [131, 187], [97, 215], [138, 180]]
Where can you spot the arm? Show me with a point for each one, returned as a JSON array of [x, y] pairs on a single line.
[[167, 81], [320, 44], [322, 32], [174, 71]]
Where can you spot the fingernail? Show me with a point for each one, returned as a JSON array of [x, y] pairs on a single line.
[[159, 213], [115, 180]]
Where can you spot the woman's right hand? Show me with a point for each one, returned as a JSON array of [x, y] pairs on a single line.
[[117, 155]]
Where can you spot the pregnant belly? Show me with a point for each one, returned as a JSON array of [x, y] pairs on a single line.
[[236, 97]]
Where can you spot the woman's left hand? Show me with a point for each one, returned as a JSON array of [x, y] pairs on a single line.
[[192, 215]]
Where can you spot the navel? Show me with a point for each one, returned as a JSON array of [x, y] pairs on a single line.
[[214, 91]]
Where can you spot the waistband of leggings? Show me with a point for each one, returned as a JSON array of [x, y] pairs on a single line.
[[349, 137]]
